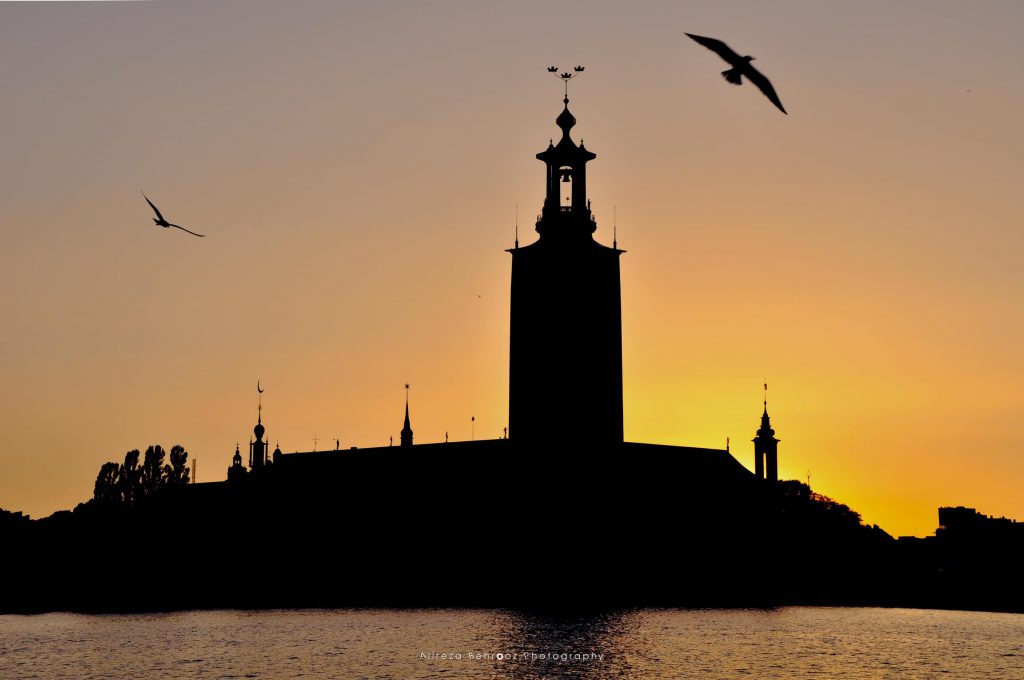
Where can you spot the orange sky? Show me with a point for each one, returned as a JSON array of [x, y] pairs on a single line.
[[356, 166]]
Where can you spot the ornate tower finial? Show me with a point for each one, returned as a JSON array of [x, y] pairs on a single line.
[[566, 77], [566, 211], [259, 407]]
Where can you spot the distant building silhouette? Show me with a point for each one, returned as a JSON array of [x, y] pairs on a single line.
[[961, 521], [565, 363]]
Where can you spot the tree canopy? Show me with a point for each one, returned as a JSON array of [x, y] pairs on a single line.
[[127, 483]]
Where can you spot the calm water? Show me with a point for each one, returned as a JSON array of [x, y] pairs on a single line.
[[784, 643]]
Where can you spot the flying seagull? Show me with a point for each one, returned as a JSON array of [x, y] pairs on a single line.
[[161, 222], [740, 67]]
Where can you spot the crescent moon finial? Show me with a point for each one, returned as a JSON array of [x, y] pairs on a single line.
[[258, 387]]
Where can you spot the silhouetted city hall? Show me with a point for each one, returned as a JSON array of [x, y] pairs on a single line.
[[559, 513], [566, 330], [548, 509]]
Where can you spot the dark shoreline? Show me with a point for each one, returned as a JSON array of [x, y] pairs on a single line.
[[636, 526]]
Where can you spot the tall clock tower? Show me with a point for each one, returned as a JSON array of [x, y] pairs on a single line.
[[565, 368]]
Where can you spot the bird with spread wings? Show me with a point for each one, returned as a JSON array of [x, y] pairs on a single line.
[[740, 67], [161, 222]]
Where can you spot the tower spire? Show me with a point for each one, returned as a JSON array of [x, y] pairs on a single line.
[[258, 448], [406, 436], [766, 446], [517, 225], [566, 214], [259, 407]]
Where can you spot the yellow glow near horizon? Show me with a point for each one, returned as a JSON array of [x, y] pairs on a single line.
[[355, 169]]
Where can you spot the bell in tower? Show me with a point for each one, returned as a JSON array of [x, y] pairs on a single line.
[[565, 368]]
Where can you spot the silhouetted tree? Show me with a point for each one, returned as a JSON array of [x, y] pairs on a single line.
[[152, 477], [106, 489], [128, 478], [177, 472], [125, 484], [816, 506], [837, 510]]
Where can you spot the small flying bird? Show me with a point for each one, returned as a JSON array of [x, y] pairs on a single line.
[[161, 222], [740, 67]]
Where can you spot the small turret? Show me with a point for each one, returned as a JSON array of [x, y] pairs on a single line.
[[766, 447], [237, 470]]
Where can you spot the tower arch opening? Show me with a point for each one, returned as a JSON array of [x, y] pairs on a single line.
[[565, 182]]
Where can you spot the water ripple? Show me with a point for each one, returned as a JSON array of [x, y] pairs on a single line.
[[849, 644]]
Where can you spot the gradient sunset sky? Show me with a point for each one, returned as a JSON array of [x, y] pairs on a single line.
[[355, 167]]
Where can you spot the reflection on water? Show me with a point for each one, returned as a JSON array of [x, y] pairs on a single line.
[[784, 643], [545, 646]]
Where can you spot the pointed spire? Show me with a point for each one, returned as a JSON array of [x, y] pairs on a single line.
[[766, 425], [406, 435], [259, 429], [517, 225], [766, 447], [407, 404], [259, 407]]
